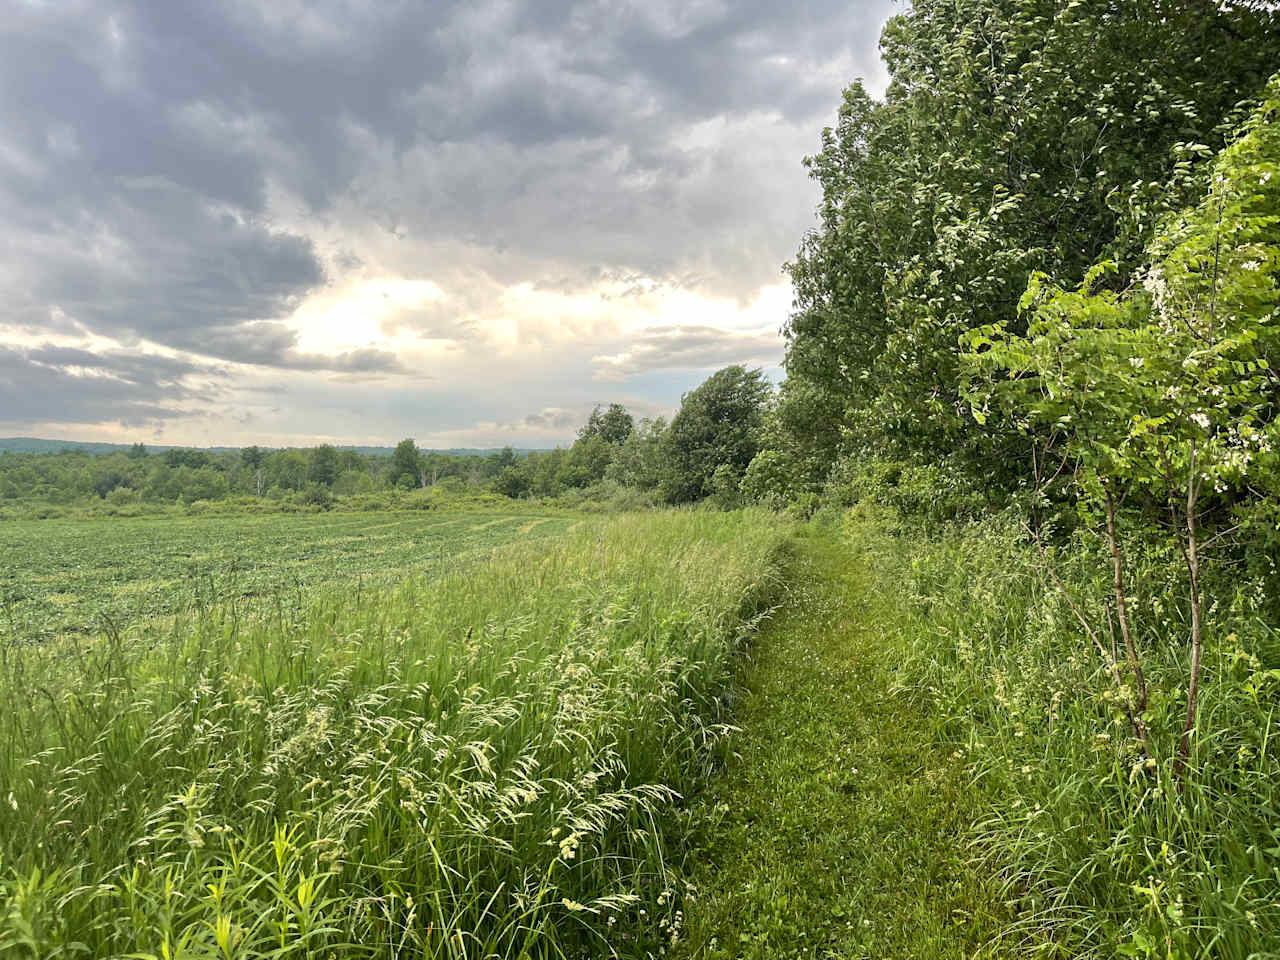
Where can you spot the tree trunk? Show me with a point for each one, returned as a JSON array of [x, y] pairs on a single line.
[[1197, 633], [1122, 609]]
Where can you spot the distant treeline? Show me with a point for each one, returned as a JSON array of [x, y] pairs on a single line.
[[187, 476], [703, 452], [43, 445]]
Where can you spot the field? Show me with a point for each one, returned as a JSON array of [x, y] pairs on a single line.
[[62, 576], [485, 755], [544, 737]]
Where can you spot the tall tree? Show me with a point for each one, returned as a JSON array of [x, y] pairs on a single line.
[[1167, 389], [323, 468], [717, 428], [405, 462], [613, 426], [1015, 136]]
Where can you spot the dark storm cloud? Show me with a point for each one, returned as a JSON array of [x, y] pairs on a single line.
[[168, 167], [273, 344], [364, 362], [56, 384], [550, 418], [686, 348]]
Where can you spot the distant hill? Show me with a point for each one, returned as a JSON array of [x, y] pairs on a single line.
[[38, 445]]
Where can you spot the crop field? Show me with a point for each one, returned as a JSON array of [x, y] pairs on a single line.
[[484, 753], [69, 576]]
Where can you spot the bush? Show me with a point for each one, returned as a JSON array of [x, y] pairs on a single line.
[[315, 495], [606, 496], [931, 494]]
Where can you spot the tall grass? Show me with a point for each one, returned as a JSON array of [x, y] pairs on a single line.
[[484, 765], [1101, 854]]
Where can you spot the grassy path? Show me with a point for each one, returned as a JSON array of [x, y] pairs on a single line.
[[840, 831]]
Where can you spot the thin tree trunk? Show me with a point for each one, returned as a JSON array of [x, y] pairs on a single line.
[[1136, 722], [1193, 575], [1122, 609]]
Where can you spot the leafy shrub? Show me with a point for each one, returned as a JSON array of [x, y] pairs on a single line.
[[929, 494], [316, 495]]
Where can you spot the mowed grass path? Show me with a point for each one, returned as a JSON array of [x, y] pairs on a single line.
[[840, 829], [61, 576]]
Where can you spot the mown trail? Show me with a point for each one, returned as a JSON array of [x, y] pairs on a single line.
[[840, 832]]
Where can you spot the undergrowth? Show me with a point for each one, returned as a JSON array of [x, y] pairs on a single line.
[[1102, 853]]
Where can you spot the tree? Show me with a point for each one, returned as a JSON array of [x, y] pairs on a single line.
[[513, 481], [289, 469], [253, 457], [588, 459], [1016, 136], [718, 425], [138, 451], [495, 463], [323, 468], [613, 426], [405, 462], [802, 438], [638, 461], [1165, 390]]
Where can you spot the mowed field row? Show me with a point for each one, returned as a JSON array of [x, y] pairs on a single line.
[[67, 576]]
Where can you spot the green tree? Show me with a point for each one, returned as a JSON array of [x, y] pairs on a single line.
[[252, 457], [638, 461], [323, 467], [405, 462], [613, 426], [495, 463], [513, 481], [718, 425], [1164, 390], [1016, 136], [289, 469]]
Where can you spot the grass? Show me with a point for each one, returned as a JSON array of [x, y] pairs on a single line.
[[523, 752], [63, 575], [487, 763], [934, 764], [1100, 852], [843, 828]]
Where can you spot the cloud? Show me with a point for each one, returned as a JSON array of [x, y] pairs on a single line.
[[185, 176], [687, 348], [51, 384], [553, 418], [367, 361]]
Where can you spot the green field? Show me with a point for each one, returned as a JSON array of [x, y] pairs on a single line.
[[482, 752], [61, 576]]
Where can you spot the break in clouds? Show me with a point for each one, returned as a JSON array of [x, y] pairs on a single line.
[[278, 222]]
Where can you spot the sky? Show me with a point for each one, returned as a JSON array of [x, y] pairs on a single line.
[[284, 222]]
